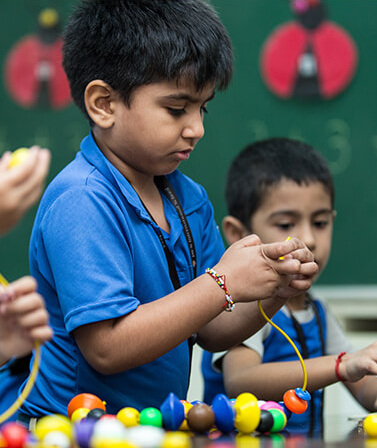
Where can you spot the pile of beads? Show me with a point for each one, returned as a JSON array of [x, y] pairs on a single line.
[[87, 425], [244, 414]]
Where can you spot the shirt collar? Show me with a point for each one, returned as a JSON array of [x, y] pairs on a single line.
[[95, 157]]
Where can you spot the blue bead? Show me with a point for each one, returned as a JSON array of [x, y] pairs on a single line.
[[172, 412], [224, 413], [303, 394]]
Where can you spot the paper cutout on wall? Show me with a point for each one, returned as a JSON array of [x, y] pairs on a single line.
[[34, 76], [310, 57]]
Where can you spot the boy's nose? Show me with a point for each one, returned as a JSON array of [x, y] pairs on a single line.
[[194, 130], [307, 236]]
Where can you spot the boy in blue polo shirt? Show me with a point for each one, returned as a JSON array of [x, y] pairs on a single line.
[[276, 188], [122, 239]]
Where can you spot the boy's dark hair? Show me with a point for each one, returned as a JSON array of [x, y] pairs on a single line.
[[264, 163], [130, 43]]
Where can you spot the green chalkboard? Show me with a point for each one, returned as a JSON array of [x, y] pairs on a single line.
[[344, 128], [58, 129]]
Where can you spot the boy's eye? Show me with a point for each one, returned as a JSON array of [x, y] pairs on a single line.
[[321, 224], [175, 112], [284, 226], [204, 110]]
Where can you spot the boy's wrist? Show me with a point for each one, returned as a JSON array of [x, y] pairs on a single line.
[[220, 280], [217, 291], [339, 368]]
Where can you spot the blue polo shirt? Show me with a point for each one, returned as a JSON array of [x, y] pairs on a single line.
[[96, 256]]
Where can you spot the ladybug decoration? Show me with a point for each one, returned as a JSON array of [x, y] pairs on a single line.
[[34, 76], [310, 57]]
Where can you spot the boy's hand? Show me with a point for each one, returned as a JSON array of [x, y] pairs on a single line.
[[21, 186], [254, 271], [303, 280], [354, 366], [23, 319]]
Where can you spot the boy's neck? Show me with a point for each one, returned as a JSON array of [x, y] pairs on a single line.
[[298, 303], [151, 198]]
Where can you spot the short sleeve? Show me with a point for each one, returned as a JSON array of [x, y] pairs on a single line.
[[256, 341], [337, 340], [90, 257]]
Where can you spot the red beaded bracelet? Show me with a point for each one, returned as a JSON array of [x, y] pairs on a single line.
[[337, 362], [220, 280]]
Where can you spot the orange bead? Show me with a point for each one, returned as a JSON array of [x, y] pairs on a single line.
[[294, 403], [85, 400]]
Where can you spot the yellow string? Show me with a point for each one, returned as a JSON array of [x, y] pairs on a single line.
[[286, 336], [289, 340], [31, 380]]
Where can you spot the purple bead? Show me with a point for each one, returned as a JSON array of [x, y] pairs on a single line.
[[83, 431]]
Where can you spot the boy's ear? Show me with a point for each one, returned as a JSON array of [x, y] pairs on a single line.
[[233, 229], [99, 97]]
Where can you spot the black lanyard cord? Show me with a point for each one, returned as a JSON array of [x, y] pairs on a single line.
[[164, 185]]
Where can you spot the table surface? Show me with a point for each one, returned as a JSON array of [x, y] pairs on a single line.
[[340, 431]]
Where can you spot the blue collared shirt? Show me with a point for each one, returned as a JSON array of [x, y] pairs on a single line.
[[96, 256]]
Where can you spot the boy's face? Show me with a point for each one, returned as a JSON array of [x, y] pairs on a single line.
[[301, 211], [158, 130]]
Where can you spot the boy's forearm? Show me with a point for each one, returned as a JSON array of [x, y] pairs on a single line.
[[271, 380], [152, 329], [365, 392], [230, 329]]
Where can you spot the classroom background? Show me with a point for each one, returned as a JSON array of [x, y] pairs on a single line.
[[323, 92]]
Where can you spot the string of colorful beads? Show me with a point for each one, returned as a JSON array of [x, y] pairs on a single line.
[[87, 425]]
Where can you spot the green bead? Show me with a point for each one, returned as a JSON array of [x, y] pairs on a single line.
[[280, 420], [151, 416]]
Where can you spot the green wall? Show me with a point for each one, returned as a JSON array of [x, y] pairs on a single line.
[[343, 129]]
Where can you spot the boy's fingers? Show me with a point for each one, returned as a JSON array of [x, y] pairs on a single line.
[[22, 286], [287, 267], [300, 284], [250, 240], [38, 175], [285, 248], [35, 164], [35, 318], [42, 334], [309, 269], [27, 303], [4, 160], [302, 254]]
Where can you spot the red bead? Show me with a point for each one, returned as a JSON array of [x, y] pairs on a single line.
[[14, 434]]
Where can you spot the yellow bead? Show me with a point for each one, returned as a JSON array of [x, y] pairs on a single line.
[[55, 422], [129, 417], [107, 442], [79, 414], [176, 439], [48, 17], [18, 156], [247, 413], [187, 405], [370, 425]]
